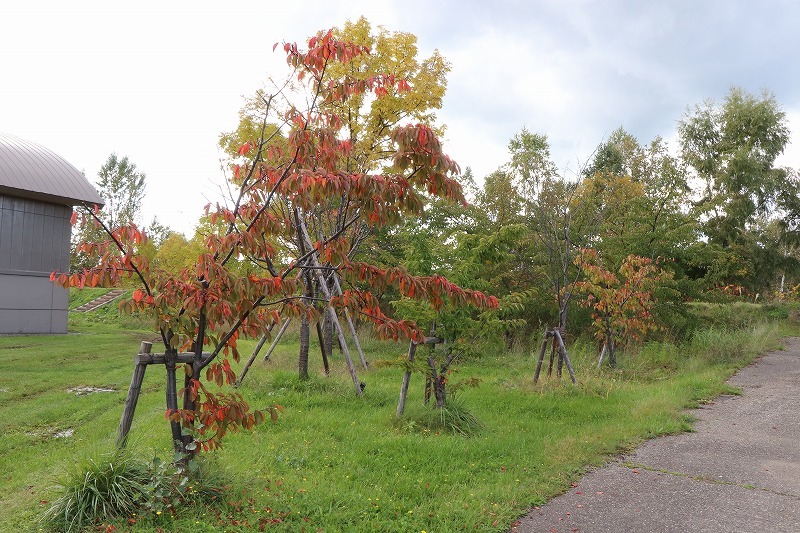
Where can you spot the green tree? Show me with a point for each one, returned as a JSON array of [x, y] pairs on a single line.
[[122, 188], [732, 147], [646, 198]]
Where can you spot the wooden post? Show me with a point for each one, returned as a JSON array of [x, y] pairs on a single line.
[[560, 364], [338, 288], [401, 403], [541, 358], [277, 338], [321, 338], [257, 349], [133, 395], [602, 354], [564, 354]]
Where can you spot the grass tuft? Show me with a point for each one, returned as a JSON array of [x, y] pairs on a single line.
[[454, 418], [111, 486]]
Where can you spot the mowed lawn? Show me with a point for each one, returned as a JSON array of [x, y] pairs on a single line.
[[337, 463]]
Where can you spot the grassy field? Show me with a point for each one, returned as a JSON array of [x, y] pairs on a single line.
[[336, 463]]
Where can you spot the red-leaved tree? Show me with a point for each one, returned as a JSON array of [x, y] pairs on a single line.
[[284, 177], [621, 302]]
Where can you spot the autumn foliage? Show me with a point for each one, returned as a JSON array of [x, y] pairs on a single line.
[[621, 302], [281, 182]]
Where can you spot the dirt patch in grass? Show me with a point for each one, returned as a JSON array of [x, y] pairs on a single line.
[[84, 391]]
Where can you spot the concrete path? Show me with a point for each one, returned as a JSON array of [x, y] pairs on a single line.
[[739, 471]]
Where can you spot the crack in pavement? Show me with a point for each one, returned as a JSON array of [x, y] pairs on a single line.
[[706, 479]]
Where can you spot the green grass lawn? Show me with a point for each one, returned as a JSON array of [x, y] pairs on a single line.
[[337, 463]]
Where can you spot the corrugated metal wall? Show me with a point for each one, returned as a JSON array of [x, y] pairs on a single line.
[[34, 241]]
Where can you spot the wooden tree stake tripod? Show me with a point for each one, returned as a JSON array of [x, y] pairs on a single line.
[[553, 336]]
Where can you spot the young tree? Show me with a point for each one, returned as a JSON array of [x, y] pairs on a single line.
[[621, 302], [556, 215], [280, 180]]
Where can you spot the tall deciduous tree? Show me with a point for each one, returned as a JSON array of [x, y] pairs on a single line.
[[555, 213], [410, 89], [122, 187], [732, 147], [648, 200]]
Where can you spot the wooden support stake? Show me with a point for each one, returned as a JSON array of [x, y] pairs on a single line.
[[258, 347], [602, 354], [401, 403], [564, 354], [330, 310], [322, 349], [552, 354], [277, 339], [541, 359], [133, 396], [338, 288]]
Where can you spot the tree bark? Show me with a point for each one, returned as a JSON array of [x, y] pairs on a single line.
[[437, 384], [172, 401], [305, 333]]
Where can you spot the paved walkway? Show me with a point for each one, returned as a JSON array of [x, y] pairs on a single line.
[[739, 471]]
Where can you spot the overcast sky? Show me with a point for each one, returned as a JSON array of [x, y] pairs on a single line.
[[159, 81]]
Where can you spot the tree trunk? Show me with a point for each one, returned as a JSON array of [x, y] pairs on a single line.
[[437, 384], [612, 355], [302, 362], [172, 400]]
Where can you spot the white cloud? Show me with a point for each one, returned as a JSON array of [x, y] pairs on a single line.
[[160, 81]]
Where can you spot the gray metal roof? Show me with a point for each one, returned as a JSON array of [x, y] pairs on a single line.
[[30, 170]]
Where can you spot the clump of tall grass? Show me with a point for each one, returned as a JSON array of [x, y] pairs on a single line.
[[735, 347], [108, 487], [118, 485], [453, 418]]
